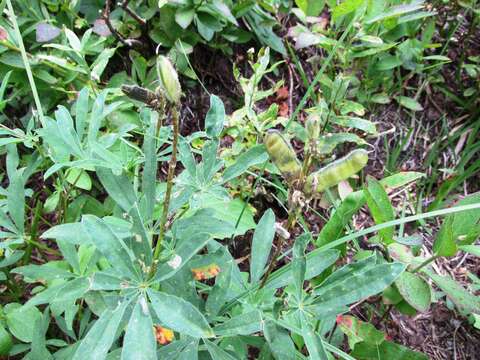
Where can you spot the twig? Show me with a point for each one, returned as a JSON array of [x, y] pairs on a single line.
[[106, 18], [124, 6]]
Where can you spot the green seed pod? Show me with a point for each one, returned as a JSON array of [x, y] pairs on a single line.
[[168, 79], [312, 125], [282, 155], [336, 171]]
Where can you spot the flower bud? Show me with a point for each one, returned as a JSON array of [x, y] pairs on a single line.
[[168, 79]]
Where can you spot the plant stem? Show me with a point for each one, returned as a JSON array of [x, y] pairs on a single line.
[[172, 164], [26, 62], [425, 263], [33, 231]]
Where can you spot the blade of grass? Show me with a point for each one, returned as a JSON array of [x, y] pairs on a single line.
[[36, 98]]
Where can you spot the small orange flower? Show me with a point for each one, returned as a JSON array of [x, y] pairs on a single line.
[[163, 335], [205, 272]]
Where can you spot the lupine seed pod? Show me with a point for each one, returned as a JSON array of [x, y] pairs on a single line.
[[168, 79], [282, 155], [336, 171], [312, 125]]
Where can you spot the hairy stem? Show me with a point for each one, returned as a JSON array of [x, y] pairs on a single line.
[[172, 164]]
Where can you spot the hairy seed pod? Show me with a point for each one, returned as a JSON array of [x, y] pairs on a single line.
[[282, 155], [336, 171], [312, 125], [168, 79]]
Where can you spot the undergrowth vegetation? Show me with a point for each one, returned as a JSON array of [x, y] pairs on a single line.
[[300, 218]]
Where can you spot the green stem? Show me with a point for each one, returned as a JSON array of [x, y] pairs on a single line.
[[166, 202], [26, 62], [425, 263], [33, 231]]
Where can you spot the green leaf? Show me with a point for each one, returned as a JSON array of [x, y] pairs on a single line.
[[150, 119], [313, 340], [395, 11], [335, 226], [311, 7], [471, 249], [281, 345], [358, 331], [6, 342], [385, 351], [43, 272], [101, 335], [359, 285], [299, 262], [179, 315], [414, 290], [16, 200], [79, 178], [388, 63], [317, 262], [100, 63], [20, 320], [72, 233], [346, 7], [110, 245], [356, 123], [219, 294], [139, 342], [184, 251], [464, 300], [253, 156], [458, 229], [261, 245], [81, 111], [244, 324], [380, 207], [184, 16], [215, 117], [118, 187], [217, 353], [409, 103], [400, 253], [183, 349]]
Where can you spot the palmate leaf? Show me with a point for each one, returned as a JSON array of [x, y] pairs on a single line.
[[244, 324], [100, 337], [215, 117], [261, 245], [110, 245], [139, 341], [216, 352], [179, 315], [150, 119], [313, 341], [359, 285]]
